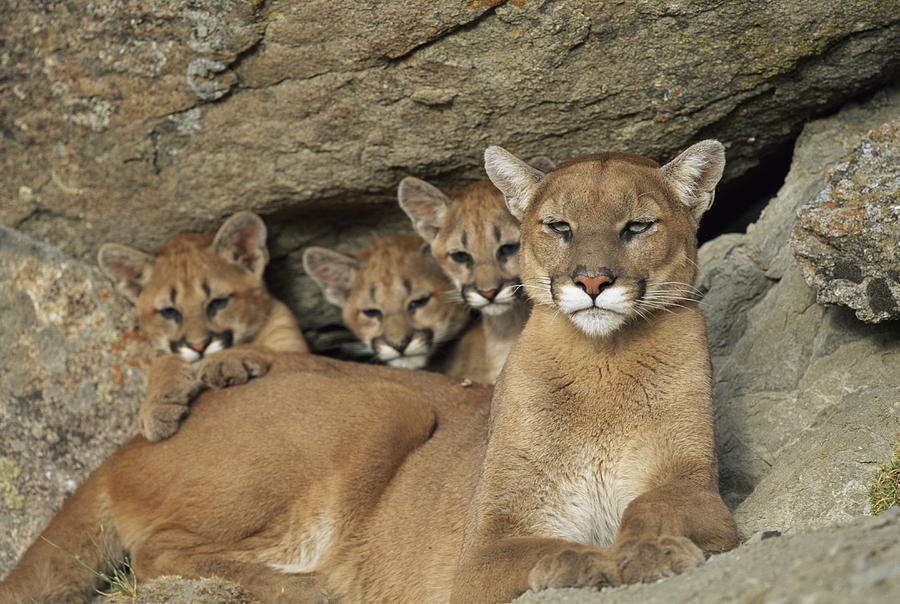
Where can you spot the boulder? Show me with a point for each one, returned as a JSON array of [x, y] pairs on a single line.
[[852, 562], [807, 396], [807, 399], [72, 380], [138, 123], [847, 239]]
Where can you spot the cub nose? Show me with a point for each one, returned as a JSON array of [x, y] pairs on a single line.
[[592, 285], [401, 345], [199, 346], [489, 294]]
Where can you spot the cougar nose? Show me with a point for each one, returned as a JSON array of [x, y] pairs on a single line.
[[592, 285], [489, 294]]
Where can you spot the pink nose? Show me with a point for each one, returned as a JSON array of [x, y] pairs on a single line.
[[489, 294], [199, 346], [592, 286]]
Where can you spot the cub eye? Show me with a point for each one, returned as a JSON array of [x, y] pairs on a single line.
[[461, 257], [637, 227], [169, 313], [510, 249], [419, 302], [216, 304], [372, 313], [559, 227]]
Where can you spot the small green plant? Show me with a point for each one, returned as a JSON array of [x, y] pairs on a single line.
[[120, 579], [884, 488]]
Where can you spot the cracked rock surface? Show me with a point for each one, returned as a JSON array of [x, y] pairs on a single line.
[[138, 120], [847, 239]]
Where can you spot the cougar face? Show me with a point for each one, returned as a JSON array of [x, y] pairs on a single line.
[[608, 238]]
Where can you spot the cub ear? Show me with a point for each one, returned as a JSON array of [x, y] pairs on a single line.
[[425, 205], [242, 240], [127, 266], [695, 174], [332, 271], [514, 177]]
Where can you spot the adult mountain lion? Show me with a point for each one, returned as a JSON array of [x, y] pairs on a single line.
[[594, 466], [392, 296], [202, 302]]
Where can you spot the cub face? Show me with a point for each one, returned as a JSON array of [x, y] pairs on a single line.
[[609, 238], [197, 294], [393, 297], [473, 238]]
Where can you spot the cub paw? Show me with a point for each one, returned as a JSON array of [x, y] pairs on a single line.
[[649, 560], [574, 568], [167, 402], [231, 367]]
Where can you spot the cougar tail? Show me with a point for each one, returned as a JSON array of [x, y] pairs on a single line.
[[66, 562]]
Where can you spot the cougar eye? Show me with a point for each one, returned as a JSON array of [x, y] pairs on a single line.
[[419, 302], [559, 227], [216, 304], [461, 257], [169, 313], [510, 249], [637, 227], [372, 313]]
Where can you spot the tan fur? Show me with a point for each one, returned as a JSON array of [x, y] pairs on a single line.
[[475, 240], [202, 302], [393, 298], [358, 483]]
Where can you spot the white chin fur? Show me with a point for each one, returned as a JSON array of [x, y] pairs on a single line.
[[495, 309], [596, 318], [189, 355], [192, 356], [415, 362], [596, 322], [499, 305]]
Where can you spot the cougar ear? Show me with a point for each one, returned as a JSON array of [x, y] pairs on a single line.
[[515, 178], [242, 240], [128, 267], [332, 271], [542, 163], [425, 205], [695, 173]]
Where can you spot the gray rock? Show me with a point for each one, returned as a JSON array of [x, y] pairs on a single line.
[[73, 376], [847, 239], [807, 400], [139, 124], [855, 562], [807, 397]]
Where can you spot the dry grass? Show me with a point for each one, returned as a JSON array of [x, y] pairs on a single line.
[[884, 488]]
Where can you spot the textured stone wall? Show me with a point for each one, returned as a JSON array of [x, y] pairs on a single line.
[[129, 120]]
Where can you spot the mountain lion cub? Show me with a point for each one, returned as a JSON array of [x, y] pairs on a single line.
[[202, 302], [475, 240], [392, 297], [594, 465]]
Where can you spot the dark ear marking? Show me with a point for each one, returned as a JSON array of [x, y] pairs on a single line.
[[695, 173], [424, 204], [332, 271], [515, 178], [128, 267], [242, 240]]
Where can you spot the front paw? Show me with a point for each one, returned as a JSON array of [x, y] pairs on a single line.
[[645, 561], [165, 407], [571, 567], [232, 367]]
